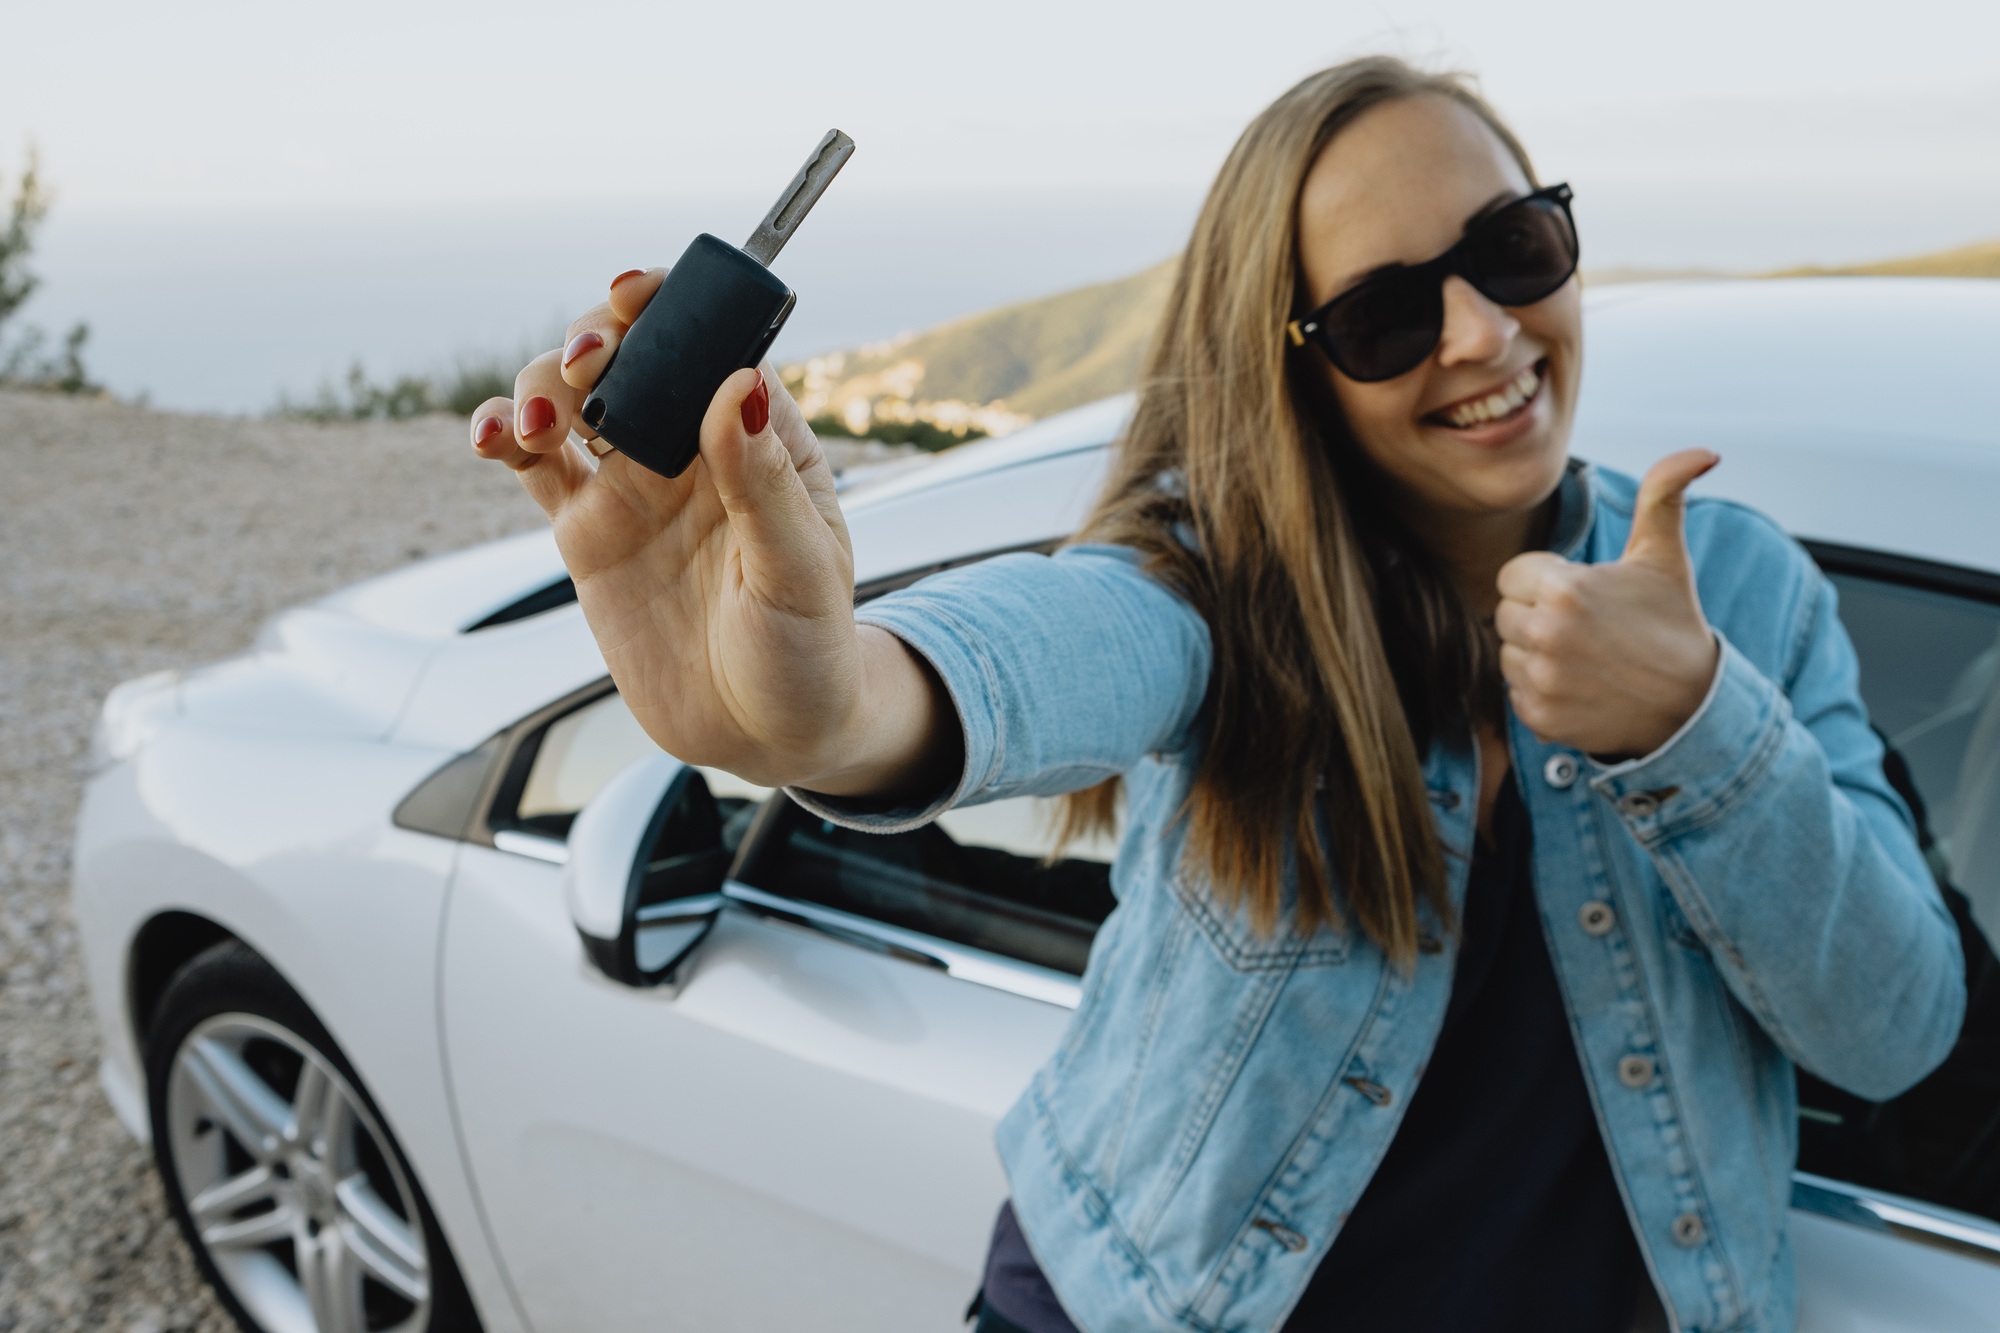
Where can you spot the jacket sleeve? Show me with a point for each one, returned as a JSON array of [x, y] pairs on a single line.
[[1770, 819], [1064, 671]]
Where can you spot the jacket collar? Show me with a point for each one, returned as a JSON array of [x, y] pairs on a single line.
[[1576, 506]]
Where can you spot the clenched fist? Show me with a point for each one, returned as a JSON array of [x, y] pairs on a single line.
[[1612, 659]]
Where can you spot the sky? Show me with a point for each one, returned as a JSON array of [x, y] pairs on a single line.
[[252, 195]]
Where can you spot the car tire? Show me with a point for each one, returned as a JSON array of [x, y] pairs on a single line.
[[300, 1207]]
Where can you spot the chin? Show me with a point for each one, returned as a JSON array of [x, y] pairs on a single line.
[[1522, 479]]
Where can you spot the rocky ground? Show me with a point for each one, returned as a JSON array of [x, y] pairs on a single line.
[[131, 541]]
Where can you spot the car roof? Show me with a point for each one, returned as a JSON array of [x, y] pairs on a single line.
[[1851, 410]]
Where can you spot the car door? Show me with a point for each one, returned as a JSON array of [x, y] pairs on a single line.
[[1896, 1208], [802, 1128], [798, 1133]]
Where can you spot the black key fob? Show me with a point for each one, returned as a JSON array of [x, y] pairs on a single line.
[[718, 311]]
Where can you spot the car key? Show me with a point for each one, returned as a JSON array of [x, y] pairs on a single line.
[[717, 312]]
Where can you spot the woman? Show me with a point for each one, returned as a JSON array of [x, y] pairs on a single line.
[[1499, 832]]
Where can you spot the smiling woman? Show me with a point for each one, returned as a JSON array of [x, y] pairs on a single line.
[[1500, 835]]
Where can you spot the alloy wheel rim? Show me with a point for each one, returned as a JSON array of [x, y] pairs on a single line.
[[293, 1189]]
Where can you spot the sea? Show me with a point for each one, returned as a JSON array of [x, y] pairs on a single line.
[[234, 312]]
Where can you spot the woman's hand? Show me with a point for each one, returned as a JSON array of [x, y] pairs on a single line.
[[722, 598], [1612, 659]]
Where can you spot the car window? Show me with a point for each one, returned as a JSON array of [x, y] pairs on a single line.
[[1930, 673], [579, 752], [558, 769], [980, 876]]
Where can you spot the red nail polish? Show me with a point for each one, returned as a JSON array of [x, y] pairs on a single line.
[[580, 345], [487, 428], [757, 407], [537, 414], [627, 274]]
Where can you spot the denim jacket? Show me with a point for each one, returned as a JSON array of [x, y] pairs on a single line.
[[1746, 898]]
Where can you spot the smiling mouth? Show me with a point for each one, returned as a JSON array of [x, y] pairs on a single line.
[[1508, 401]]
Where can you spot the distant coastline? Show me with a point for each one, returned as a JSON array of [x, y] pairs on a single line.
[[990, 373]]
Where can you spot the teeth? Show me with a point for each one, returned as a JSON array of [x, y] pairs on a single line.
[[1499, 403]]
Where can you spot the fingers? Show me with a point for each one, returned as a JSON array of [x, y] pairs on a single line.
[[549, 477], [1513, 621], [545, 405], [588, 345], [631, 290], [1659, 527], [752, 468], [1522, 671], [592, 338], [760, 488], [1529, 576]]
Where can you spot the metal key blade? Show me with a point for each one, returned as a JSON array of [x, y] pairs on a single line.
[[799, 197]]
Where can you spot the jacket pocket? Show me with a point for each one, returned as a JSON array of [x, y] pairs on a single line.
[[1242, 946]]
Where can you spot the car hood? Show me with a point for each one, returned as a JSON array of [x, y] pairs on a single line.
[[352, 664], [448, 595]]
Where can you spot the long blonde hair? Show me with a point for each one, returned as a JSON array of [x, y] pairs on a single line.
[[1340, 644]]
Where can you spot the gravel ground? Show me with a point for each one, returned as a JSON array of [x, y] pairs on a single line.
[[132, 541]]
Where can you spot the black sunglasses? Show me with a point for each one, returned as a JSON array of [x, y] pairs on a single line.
[[1386, 324]]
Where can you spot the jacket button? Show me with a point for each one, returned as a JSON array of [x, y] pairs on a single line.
[[1597, 918], [1560, 770], [1636, 1071], [1640, 804], [1283, 1234], [1689, 1230], [1372, 1090]]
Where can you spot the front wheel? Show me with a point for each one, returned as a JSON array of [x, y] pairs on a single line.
[[299, 1206]]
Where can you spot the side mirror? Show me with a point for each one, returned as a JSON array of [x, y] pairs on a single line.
[[645, 871]]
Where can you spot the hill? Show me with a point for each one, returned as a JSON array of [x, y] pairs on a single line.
[[1967, 261], [990, 373], [993, 371]]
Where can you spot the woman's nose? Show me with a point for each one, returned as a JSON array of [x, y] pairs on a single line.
[[1475, 329]]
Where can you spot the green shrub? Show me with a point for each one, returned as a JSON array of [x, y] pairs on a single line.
[[470, 383], [931, 439], [473, 382], [22, 364]]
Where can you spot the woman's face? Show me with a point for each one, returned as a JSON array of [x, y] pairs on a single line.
[[1397, 187]]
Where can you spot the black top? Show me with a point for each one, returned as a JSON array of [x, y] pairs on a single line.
[[1495, 1209]]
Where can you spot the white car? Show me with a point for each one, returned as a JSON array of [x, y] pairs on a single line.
[[447, 1001]]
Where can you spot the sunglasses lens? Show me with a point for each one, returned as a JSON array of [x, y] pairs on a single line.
[[1384, 327], [1387, 324], [1522, 253]]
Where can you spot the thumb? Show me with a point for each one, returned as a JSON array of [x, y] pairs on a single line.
[[753, 472], [759, 486], [1659, 527]]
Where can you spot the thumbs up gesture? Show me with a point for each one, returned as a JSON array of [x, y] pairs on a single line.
[[1612, 659]]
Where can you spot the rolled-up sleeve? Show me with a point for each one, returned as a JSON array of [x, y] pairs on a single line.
[[1064, 670]]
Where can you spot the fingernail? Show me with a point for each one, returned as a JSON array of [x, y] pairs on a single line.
[[757, 407], [579, 345], [626, 275], [487, 428], [537, 414]]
